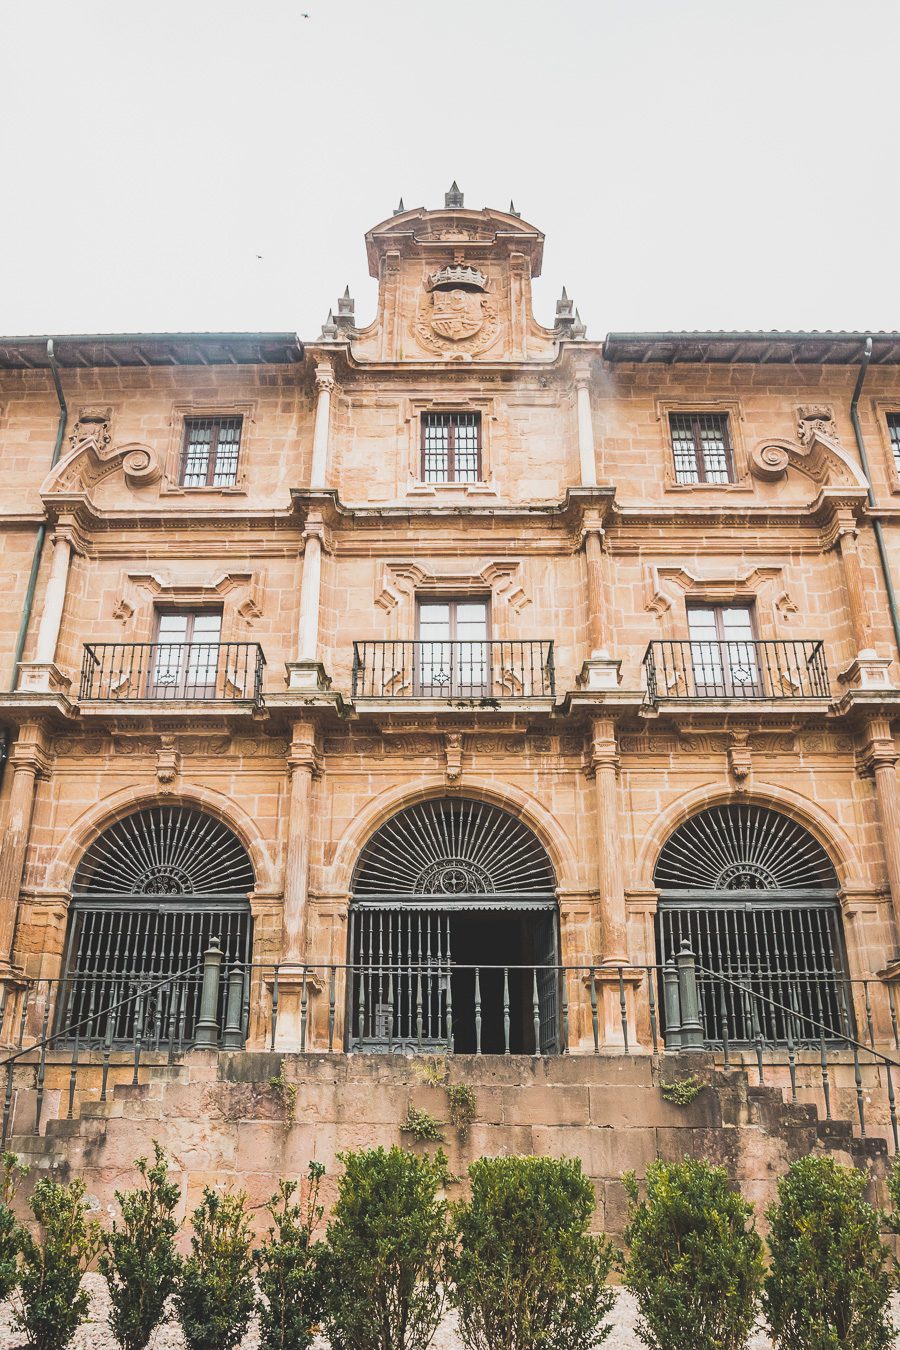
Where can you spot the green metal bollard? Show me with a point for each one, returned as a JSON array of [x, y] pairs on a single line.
[[206, 1033], [689, 999], [672, 1005], [233, 1038]]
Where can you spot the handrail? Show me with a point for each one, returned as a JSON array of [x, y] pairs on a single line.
[[458, 668], [742, 668]]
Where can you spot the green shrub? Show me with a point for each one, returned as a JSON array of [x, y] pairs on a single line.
[[386, 1249], [53, 1304], [10, 1230], [288, 1267], [216, 1298], [422, 1126], [828, 1285], [695, 1258], [139, 1261], [892, 1218], [526, 1274]]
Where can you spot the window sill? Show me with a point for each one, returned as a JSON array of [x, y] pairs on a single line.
[[742, 485], [465, 489], [179, 490]]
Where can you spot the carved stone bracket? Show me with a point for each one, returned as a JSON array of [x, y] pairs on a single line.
[[453, 746]]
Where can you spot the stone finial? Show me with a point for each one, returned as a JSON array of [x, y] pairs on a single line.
[[346, 311], [329, 329], [564, 309], [399, 208], [454, 197], [513, 211], [579, 327]]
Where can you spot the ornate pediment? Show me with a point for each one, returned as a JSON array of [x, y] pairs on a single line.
[[92, 458], [817, 453]]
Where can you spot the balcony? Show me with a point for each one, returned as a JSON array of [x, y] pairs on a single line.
[[749, 671], [454, 670], [169, 672]]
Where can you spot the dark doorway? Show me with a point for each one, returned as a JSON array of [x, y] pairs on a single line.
[[493, 945]]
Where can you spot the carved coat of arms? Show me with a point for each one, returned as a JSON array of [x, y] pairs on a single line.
[[457, 320]]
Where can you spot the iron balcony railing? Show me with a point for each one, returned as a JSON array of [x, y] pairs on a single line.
[[470, 669], [119, 672], [770, 669]]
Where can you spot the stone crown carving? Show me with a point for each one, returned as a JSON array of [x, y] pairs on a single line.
[[457, 276]]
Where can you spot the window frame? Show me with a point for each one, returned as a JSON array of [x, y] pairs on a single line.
[[191, 613], [215, 422], [695, 415], [892, 421], [425, 598], [453, 415]]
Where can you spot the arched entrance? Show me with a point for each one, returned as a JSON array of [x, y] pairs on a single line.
[[148, 896], [454, 934], [755, 895]]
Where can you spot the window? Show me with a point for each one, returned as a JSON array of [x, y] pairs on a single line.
[[701, 447], [185, 660], [211, 446], [453, 653], [451, 447], [723, 651], [894, 429]]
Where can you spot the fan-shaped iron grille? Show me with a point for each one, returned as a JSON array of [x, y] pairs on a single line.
[[455, 850], [754, 895], [150, 895], [743, 848], [165, 850]]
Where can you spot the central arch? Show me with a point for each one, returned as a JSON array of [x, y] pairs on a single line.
[[454, 933]]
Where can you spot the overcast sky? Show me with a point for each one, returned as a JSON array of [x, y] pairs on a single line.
[[693, 163]]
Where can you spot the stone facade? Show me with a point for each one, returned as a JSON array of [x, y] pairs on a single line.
[[574, 530]]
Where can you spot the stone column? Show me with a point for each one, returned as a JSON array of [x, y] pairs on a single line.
[[295, 985], [28, 760], [604, 761], [867, 669], [307, 671], [586, 451], [600, 671], [42, 673], [881, 757], [321, 432]]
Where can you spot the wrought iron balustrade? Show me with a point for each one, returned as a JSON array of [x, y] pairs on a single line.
[[119, 672], [773, 668], [508, 668]]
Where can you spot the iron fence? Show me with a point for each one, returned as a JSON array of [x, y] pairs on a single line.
[[121, 672], [769, 669], [466, 669]]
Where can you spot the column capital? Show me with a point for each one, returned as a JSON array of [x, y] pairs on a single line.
[[316, 528], [603, 750], [304, 753], [879, 749], [325, 381], [30, 752]]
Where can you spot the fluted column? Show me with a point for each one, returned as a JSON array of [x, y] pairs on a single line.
[[604, 763], [303, 766], [600, 670], [586, 450], [28, 761], [881, 757], [322, 429]]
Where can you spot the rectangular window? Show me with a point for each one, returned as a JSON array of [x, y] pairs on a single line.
[[894, 429], [451, 447], [186, 654], [210, 456], [453, 651], [701, 447], [723, 651]]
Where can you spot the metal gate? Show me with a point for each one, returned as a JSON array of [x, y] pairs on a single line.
[[426, 879], [755, 896], [149, 896]]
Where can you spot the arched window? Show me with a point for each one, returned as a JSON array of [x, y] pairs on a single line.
[[454, 933], [148, 896], [755, 895]]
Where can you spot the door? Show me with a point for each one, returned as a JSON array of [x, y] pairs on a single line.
[[723, 651], [185, 657], [453, 651]]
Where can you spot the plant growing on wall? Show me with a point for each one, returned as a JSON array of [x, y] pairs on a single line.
[[828, 1285], [386, 1250], [288, 1266], [10, 1229], [52, 1302], [526, 1274], [216, 1297], [695, 1259], [139, 1261]]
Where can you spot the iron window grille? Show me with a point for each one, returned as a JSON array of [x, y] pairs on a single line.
[[210, 452], [894, 430], [451, 447], [702, 448]]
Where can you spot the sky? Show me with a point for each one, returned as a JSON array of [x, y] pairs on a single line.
[[189, 165]]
